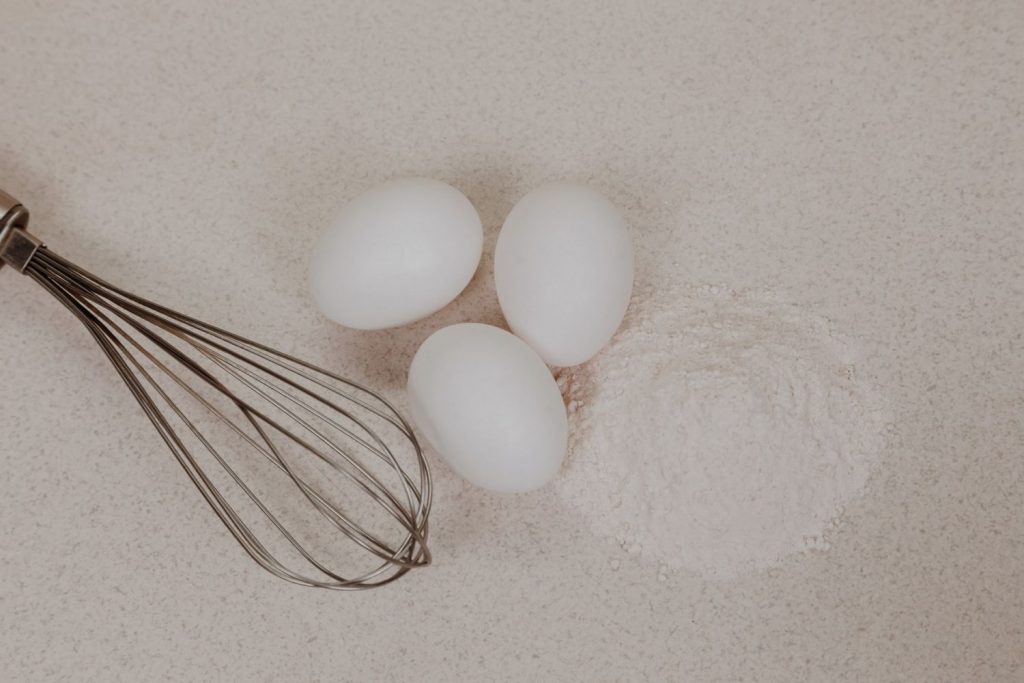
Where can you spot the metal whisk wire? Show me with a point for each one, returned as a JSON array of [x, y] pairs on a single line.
[[282, 400]]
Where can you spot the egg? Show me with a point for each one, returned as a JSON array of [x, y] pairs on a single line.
[[488, 405], [396, 253], [563, 269]]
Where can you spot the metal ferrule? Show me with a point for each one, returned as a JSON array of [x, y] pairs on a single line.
[[17, 245]]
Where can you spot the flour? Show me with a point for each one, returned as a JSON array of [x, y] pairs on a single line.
[[719, 432]]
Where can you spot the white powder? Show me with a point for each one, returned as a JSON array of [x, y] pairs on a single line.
[[719, 432]]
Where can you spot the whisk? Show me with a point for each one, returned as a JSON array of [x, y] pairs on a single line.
[[285, 453]]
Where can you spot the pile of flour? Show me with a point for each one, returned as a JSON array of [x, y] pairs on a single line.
[[719, 432]]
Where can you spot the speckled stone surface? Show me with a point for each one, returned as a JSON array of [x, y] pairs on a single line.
[[864, 159]]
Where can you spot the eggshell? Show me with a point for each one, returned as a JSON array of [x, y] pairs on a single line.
[[487, 404], [396, 253], [563, 268]]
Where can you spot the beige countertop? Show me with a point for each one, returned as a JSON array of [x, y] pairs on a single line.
[[863, 160]]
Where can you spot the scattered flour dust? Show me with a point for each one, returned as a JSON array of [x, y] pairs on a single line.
[[719, 432]]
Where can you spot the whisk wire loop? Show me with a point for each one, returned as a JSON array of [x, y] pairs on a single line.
[[281, 400]]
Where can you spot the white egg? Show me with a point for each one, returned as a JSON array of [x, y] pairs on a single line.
[[488, 405], [563, 268], [397, 253]]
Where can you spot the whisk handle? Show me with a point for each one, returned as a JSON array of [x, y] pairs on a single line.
[[12, 212], [17, 246]]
